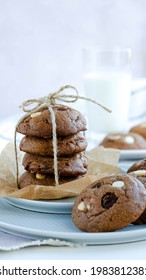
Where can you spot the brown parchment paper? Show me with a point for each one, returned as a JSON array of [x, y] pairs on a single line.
[[101, 163]]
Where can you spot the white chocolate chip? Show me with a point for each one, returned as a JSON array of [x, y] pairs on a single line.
[[140, 172], [88, 207], [114, 137], [129, 139], [82, 206], [33, 115], [40, 176], [118, 184]]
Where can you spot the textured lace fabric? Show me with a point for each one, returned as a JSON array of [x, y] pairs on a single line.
[[9, 242]]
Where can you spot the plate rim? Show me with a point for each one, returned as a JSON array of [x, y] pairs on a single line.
[[96, 238], [132, 151], [37, 206], [77, 236], [134, 154]]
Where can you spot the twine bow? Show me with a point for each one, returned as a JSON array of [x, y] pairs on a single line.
[[49, 101], [51, 98]]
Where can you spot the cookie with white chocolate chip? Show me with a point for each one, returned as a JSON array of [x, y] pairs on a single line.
[[27, 179], [109, 204], [141, 176], [39, 124], [140, 129], [124, 141], [138, 165], [68, 145]]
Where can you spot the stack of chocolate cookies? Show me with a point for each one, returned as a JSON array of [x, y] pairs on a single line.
[[37, 144]]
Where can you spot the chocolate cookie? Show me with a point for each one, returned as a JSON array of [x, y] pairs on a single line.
[[141, 176], [43, 146], [67, 166], [109, 204], [41, 179], [138, 165], [68, 122], [124, 141], [140, 129], [142, 219]]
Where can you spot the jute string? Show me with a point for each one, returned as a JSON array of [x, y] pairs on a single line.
[[49, 101]]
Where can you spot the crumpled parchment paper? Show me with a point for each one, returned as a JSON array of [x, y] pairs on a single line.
[[101, 162]]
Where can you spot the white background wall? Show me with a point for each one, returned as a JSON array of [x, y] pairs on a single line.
[[41, 42]]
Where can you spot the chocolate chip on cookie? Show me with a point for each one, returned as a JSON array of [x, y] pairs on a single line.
[[109, 204]]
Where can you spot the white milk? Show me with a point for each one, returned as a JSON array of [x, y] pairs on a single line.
[[113, 91]]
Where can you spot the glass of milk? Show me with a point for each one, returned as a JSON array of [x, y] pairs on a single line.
[[107, 79]]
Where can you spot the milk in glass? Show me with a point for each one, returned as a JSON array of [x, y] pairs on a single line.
[[111, 89]]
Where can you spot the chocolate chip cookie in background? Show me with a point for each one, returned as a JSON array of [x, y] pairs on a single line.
[[110, 204], [140, 129], [140, 175], [38, 146], [138, 170], [124, 141], [138, 165]]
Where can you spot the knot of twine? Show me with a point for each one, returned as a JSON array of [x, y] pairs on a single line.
[[51, 98], [49, 101]]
